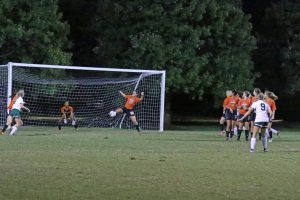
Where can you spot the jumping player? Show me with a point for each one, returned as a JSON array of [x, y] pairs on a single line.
[[67, 112], [261, 121], [131, 101], [15, 113]]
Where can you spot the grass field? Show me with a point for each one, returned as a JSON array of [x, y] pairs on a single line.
[[41, 163]]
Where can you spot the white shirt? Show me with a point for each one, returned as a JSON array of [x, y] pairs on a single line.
[[18, 103], [262, 111]]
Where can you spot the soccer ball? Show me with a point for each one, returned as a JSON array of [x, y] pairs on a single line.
[[112, 113]]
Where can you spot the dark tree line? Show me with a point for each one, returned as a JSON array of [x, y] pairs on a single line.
[[206, 46]]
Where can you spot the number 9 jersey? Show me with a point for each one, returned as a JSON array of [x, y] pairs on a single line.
[[262, 111]]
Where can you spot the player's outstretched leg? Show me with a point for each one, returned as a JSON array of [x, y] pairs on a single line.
[[135, 123]]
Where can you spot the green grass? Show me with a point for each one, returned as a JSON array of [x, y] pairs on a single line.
[[41, 163]]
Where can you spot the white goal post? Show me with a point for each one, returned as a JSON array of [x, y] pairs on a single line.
[[92, 91]]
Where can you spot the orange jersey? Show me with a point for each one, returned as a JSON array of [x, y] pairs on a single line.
[[131, 101], [231, 103], [12, 102], [66, 109], [244, 104], [271, 103]]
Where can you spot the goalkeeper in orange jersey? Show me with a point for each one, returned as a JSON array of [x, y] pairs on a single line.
[[131, 101], [67, 112]]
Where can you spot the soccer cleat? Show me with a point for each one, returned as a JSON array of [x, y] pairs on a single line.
[[270, 140], [251, 150], [265, 150], [1, 133]]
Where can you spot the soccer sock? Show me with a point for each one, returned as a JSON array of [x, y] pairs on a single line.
[[75, 126], [235, 130], [221, 127], [274, 131], [253, 143], [137, 127], [9, 127], [59, 126], [247, 134], [239, 134], [259, 134], [227, 134], [13, 130], [270, 134], [231, 134], [4, 128], [264, 142]]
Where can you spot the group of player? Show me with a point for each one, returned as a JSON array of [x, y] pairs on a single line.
[[16, 106], [252, 113]]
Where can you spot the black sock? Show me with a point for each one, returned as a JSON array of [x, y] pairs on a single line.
[[59, 127], [259, 136], [270, 134], [239, 134], [221, 127], [4, 128], [251, 134], [137, 127], [231, 134], [75, 126], [247, 134], [227, 134]]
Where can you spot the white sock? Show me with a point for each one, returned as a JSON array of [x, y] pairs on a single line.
[[235, 130], [73, 123], [13, 131], [267, 132], [9, 127], [274, 131], [253, 143], [65, 121], [264, 142]]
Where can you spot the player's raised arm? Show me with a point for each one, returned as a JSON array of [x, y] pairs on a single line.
[[122, 93]]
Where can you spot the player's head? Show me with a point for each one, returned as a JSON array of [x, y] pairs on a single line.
[[134, 93], [21, 93], [271, 95], [228, 93], [66, 103], [261, 96], [246, 94], [256, 91]]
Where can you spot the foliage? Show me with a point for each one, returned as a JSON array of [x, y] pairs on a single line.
[[279, 47], [31, 32], [203, 45]]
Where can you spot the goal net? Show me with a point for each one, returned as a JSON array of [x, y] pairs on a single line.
[[92, 92]]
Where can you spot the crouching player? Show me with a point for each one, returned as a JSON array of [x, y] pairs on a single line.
[[67, 112], [15, 113], [261, 121], [131, 101]]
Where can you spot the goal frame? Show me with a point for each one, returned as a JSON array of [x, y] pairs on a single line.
[[10, 66]]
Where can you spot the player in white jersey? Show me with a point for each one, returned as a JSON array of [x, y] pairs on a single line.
[[15, 113], [263, 111]]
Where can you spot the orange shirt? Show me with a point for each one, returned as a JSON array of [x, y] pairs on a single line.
[[66, 109], [271, 103], [231, 103], [131, 101], [244, 103], [12, 102]]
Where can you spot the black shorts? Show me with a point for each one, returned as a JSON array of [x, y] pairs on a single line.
[[246, 119], [252, 116], [128, 111], [261, 124], [229, 115]]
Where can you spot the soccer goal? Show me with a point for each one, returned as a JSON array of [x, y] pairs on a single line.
[[93, 92]]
